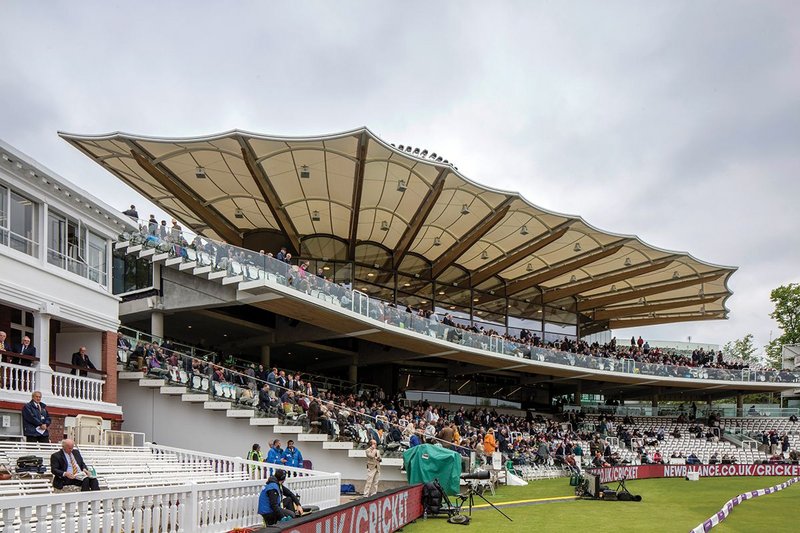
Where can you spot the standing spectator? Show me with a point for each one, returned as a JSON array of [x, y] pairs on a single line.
[[373, 469], [35, 420], [292, 456], [489, 444], [26, 348], [4, 344], [255, 454], [152, 226], [81, 359], [275, 454]]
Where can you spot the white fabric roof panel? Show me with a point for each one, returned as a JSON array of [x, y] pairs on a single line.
[[501, 240]]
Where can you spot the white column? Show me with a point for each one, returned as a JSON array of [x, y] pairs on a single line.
[[41, 340], [42, 235], [157, 324], [109, 264]]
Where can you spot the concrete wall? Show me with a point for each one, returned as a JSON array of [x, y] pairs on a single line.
[[169, 421]]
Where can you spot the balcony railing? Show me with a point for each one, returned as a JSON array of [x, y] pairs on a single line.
[[246, 265], [17, 378], [77, 387]]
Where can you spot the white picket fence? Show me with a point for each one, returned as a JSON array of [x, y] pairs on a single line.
[[210, 507]]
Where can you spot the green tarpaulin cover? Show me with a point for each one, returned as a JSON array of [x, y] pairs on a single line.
[[427, 462]]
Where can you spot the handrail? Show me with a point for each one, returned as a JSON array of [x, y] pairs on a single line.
[[214, 356], [58, 364], [245, 378], [253, 266], [30, 358]]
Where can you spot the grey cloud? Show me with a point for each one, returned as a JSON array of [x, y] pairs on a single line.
[[677, 121]]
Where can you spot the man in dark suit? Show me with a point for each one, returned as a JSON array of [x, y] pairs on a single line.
[[81, 359], [35, 420], [26, 348], [4, 344], [68, 468]]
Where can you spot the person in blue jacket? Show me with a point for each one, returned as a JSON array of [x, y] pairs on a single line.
[[35, 420], [276, 502], [275, 454], [292, 456]]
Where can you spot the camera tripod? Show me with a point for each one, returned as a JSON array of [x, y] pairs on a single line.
[[469, 497]]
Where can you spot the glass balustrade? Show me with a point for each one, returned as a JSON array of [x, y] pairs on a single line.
[[235, 262]]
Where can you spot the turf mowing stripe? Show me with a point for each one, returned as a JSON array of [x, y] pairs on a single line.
[[730, 504], [520, 502]]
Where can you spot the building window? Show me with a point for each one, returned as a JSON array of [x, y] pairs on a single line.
[[131, 274], [71, 246], [18, 222], [21, 325]]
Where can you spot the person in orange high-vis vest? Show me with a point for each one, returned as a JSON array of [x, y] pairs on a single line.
[[489, 444]]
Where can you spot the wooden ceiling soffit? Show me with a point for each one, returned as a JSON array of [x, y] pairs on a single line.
[[471, 237], [606, 314], [594, 327], [419, 218], [603, 301], [586, 259], [358, 188], [518, 255], [270, 196], [170, 181], [564, 292], [638, 322]]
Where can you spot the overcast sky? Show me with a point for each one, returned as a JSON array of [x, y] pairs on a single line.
[[679, 122]]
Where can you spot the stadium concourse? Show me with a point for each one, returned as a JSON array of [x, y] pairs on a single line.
[[405, 305]]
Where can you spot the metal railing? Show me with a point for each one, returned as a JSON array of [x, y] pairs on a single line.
[[135, 337], [247, 265]]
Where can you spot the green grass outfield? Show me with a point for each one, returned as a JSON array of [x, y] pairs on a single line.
[[667, 505]]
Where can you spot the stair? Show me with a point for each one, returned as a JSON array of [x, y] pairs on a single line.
[[264, 421], [318, 441], [240, 413], [172, 389], [312, 437], [337, 445], [194, 397], [217, 406], [288, 429], [149, 382]]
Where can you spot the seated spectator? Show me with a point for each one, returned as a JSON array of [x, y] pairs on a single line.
[[692, 459], [131, 212], [68, 468]]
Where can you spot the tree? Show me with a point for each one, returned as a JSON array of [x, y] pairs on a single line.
[[787, 314], [742, 349]]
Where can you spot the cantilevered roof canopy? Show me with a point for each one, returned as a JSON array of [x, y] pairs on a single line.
[[353, 197]]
